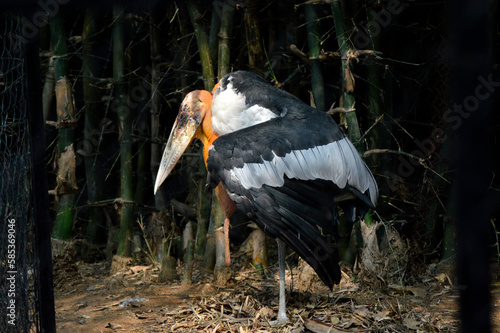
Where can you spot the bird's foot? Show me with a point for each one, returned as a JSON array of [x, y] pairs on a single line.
[[282, 319]]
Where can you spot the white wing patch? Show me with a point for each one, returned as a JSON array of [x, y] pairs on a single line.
[[230, 113], [337, 161]]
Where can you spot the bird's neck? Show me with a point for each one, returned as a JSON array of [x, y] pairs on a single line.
[[206, 134]]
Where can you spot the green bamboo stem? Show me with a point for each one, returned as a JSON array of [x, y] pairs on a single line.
[[203, 46], [347, 79], [313, 38], [254, 39], [222, 273], [141, 125], [204, 205], [125, 125], [209, 255], [378, 136], [66, 118], [224, 38], [187, 278], [449, 231], [347, 102], [213, 35], [48, 91], [93, 112], [156, 148], [255, 60]]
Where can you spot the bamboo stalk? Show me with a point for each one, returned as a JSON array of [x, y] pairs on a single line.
[[209, 255], [141, 124], [347, 102], [48, 90], [347, 77], [188, 253], [259, 251], [213, 35], [93, 106], [224, 38], [313, 39], [125, 125], [66, 119], [204, 205], [252, 32], [203, 46], [222, 273], [156, 153], [255, 60]]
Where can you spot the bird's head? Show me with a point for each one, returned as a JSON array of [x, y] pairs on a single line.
[[193, 121]]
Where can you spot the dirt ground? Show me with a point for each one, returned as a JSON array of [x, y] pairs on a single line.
[[90, 299]]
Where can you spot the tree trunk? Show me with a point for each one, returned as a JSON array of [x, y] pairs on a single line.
[[66, 119], [125, 125], [92, 132]]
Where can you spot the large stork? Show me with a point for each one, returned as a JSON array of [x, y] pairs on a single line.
[[286, 165]]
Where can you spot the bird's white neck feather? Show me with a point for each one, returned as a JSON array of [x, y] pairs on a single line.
[[230, 112]]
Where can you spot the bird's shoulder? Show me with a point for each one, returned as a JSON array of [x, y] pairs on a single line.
[[280, 135]]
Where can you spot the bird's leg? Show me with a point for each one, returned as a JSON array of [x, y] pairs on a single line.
[[282, 301], [226, 242]]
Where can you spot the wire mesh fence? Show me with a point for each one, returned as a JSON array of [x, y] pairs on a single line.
[[19, 256]]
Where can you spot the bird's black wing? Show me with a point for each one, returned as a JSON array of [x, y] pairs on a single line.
[[286, 173]]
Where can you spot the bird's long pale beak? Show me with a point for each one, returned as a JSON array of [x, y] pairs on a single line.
[[183, 132]]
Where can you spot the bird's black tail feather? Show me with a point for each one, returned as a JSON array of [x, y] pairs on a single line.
[[304, 221], [303, 214]]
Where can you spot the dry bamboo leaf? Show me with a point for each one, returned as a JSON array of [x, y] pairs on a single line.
[[66, 176], [362, 312], [382, 315], [417, 291], [299, 329], [443, 278], [64, 100], [113, 326], [319, 327], [141, 316], [349, 80], [266, 312], [411, 323], [138, 269]]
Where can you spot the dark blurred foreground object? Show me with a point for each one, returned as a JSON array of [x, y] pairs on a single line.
[[26, 292], [474, 89]]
